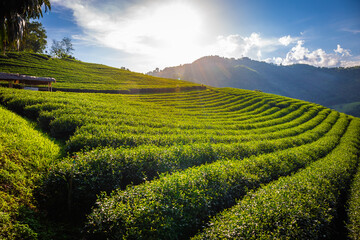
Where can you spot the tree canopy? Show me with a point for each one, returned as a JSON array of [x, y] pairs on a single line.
[[13, 17], [62, 49], [34, 38]]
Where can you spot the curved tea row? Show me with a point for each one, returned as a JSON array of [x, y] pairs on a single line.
[[177, 160]]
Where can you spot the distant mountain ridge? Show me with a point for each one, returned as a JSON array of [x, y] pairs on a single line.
[[325, 86]]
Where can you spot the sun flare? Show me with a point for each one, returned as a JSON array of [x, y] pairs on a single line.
[[170, 31], [178, 29]]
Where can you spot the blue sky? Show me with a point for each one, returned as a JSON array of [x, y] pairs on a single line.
[[144, 34]]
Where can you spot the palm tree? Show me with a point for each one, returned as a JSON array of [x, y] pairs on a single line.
[[13, 17]]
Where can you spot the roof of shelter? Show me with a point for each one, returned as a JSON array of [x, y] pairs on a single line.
[[26, 79]]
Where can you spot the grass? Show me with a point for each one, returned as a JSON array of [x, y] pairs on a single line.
[[167, 165], [25, 155], [74, 74]]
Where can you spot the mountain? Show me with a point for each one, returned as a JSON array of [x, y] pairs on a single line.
[[332, 87]]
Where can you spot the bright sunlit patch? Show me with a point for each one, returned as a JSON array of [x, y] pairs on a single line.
[[168, 32], [177, 23], [171, 31], [179, 29]]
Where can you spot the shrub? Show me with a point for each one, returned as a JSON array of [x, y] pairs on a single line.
[[107, 169], [175, 206], [25, 155], [302, 206], [354, 207]]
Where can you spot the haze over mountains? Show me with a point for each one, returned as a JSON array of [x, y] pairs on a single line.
[[337, 88]]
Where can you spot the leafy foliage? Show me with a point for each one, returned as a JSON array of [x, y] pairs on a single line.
[[35, 38], [25, 154], [161, 166], [62, 49], [118, 168], [302, 206], [178, 204], [354, 208], [13, 17], [79, 76]]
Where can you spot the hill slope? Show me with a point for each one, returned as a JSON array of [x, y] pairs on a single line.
[[325, 86], [176, 160], [73, 74], [25, 155]]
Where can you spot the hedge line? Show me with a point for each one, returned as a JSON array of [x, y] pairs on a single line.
[[175, 206], [108, 169], [95, 135], [25, 155], [354, 206], [302, 206]]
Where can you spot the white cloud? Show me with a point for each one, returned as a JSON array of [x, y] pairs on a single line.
[[165, 32], [259, 54], [229, 45], [286, 40], [301, 54], [343, 52], [157, 29], [157, 33], [275, 60], [350, 63], [252, 46], [318, 57]]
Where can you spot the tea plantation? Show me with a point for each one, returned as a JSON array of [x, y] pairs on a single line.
[[210, 164], [74, 75], [25, 155]]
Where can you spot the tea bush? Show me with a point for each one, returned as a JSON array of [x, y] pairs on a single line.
[[77, 75], [25, 155], [121, 167], [164, 164], [354, 207], [176, 205], [302, 206]]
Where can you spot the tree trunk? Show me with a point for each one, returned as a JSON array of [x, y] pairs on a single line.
[[4, 47]]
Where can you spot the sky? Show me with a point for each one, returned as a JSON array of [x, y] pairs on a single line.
[[146, 34]]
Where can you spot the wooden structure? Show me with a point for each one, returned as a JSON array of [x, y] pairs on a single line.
[[15, 78]]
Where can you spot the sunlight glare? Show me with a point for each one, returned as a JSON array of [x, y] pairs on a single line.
[[177, 28], [170, 30]]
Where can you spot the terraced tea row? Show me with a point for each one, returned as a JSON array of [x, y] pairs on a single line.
[[177, 205], [158, 135], [25, 154], [354, 207], [93, 122], [124, 166], [76, 75], [302, 206], [187, 156]]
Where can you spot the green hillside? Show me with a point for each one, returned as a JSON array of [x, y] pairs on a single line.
[[178, 165], [325, 86], [73, 74], [25, 156]]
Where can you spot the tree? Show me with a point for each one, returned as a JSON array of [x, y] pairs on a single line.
[[67, 45], [13, 17], [62, 49], [34, 38]]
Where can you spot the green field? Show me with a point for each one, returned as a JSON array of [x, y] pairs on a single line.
[[219, 163], [25, 156], [76, 75]]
